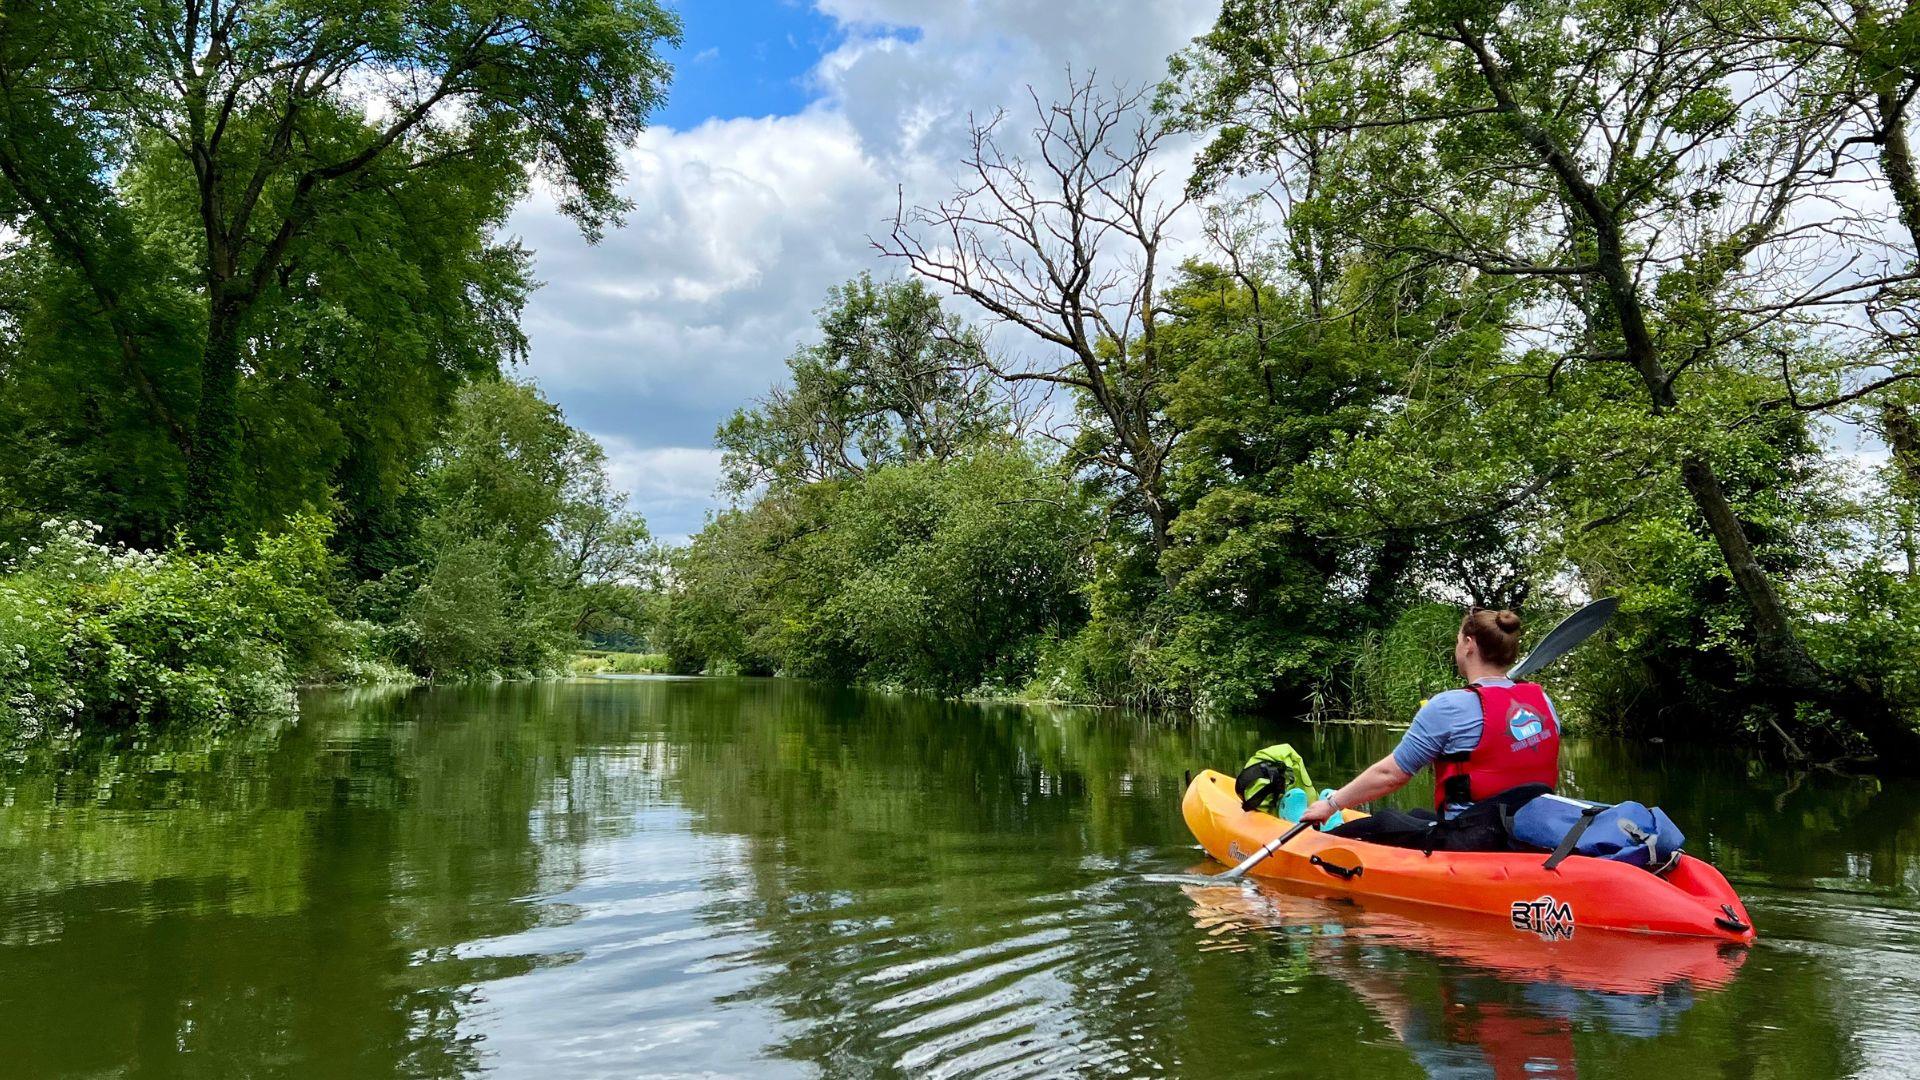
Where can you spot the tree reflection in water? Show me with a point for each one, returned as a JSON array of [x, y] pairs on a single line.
[[760, 877]]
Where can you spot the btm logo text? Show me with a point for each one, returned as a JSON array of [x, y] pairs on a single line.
[[1551, 919]]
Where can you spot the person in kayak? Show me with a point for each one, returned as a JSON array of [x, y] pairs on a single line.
[[1495, 737]]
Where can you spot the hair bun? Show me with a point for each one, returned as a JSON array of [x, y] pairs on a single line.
[[1507, 621]]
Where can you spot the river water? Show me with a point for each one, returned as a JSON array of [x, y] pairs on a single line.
[[660, 877]]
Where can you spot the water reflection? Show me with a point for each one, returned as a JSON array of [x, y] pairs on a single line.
[[1466, 997], [752, 878]]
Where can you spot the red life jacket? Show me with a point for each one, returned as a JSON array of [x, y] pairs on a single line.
[[1519, 744]]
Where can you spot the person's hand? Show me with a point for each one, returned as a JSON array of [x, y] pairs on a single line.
[[1318, 813]]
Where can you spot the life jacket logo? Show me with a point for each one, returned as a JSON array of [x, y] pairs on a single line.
[[1527, 726], [1551, 919]]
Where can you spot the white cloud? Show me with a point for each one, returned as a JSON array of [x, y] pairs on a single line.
[[739, 226], [667, 483], [736, 227]]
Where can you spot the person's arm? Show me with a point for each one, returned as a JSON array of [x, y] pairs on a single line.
[[1423, 744], [1383, 777]]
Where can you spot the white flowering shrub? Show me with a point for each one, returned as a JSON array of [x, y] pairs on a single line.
[[96, 636]]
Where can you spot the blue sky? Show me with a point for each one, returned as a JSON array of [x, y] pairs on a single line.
[[790, 132], [745, 58]]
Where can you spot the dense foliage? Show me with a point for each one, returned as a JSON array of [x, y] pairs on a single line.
[[254, 313], [525, 546], [93, 635], [256, 239], [1533, 304], [938, 575], [1485, 304], [896, 531], [520, 548], [1624, 208], [893, 378]]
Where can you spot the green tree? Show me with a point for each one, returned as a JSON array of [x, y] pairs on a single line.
[[607, 561], [895, 531], [892, 378], [933, 575], [1258, 602], [949, 573], [283, 121], [526, 545], [400, 297], [1615, 172]]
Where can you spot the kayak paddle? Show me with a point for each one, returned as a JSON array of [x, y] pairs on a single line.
[[1271, 846], [1559, 641]]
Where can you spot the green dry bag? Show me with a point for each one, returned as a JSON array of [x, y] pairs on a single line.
[[1268, 773]]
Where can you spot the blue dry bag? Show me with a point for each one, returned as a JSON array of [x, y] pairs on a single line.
[[1627, 832], [1296, 801]]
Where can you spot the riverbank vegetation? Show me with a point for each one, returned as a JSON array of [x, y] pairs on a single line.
[[613, 662], [256, 316], [1473, 305], [1464, 305], [515, 547]]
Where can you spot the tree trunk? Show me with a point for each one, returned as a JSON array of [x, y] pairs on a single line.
[[213, 463], [1896, 419], [1903, 444], [1910, 540], [1158, 517], [1378, 598], [1896, 159], [1781, 659], [1782, 664]]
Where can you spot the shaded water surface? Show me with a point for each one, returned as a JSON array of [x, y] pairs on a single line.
[[762, 878]]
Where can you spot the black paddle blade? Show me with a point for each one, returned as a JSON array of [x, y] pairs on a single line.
[[1572, 630]]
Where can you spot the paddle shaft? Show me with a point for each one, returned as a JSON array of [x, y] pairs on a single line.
[[1271, 846]]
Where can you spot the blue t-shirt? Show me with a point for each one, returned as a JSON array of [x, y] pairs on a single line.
[[1449, 723]]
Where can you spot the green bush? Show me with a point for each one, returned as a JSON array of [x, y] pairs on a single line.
[[1870, 629], [459, 616], [1096, 664], [949, 572], [112, 637], [943, 576]]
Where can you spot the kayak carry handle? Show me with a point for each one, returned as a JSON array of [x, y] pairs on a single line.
[[1345, 873]]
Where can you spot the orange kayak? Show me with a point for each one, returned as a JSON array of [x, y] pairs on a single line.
[[1690, 900]]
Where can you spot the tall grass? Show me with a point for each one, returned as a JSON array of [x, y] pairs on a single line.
[[1392, 672]]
